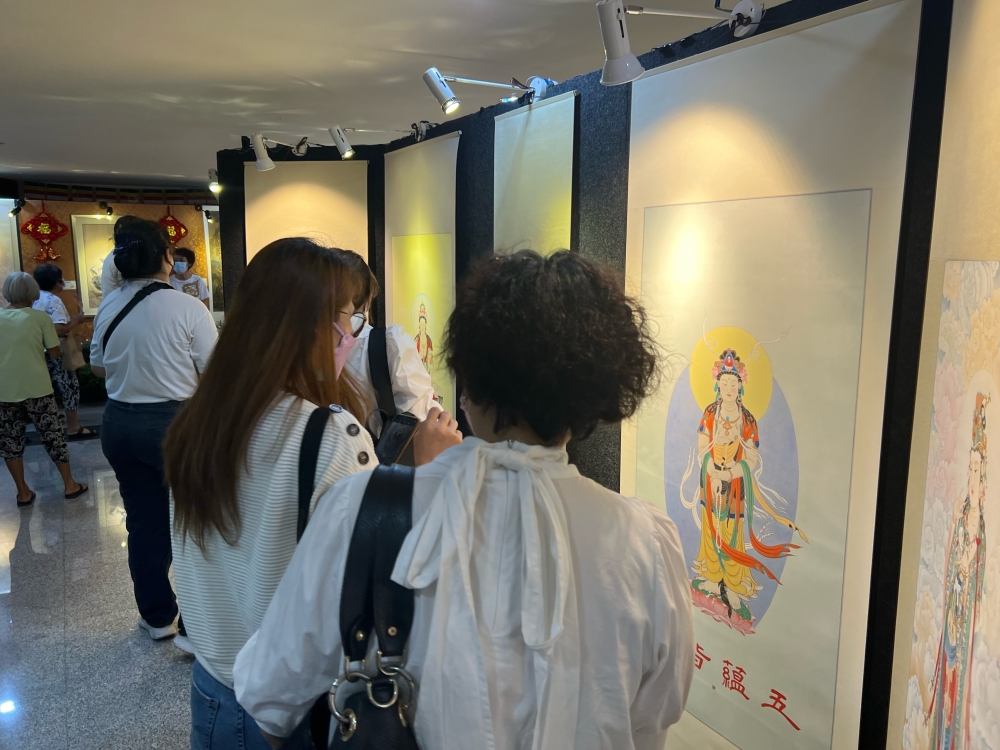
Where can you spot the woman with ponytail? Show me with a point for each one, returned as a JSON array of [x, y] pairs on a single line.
[[151, 343]]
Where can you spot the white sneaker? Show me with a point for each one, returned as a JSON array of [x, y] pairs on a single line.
[[184, 644], [158, 634]]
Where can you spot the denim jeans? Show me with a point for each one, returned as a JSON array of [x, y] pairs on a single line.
[[218, 722], [132, 438]]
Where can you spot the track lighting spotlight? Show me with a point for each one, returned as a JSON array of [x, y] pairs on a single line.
[[209, 217], [264, 162], [300, 148], [16, 209], [340, 138], [419, 129], [213, 181], [441, 90], [438, 84], [620, 65], [108, 211]]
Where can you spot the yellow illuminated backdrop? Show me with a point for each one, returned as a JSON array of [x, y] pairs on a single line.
[[423, 296], [533, 176]]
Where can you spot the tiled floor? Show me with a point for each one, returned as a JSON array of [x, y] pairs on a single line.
[[75, 671]]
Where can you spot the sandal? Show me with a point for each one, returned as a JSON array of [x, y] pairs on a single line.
[[73, 495], [26, 503], [84, 432]]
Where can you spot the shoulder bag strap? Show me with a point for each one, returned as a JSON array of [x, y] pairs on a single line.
[[393, 603], [308, 456], [378, 365], [139, 297], [380, 519]]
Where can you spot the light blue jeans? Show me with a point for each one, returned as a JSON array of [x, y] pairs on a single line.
[[218, 722]]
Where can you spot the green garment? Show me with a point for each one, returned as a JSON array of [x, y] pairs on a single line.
[[25, 334]]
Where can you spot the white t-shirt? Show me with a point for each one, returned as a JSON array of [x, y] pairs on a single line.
[[50, 303], [158, 350], [111, 277], [194, 286], [412, 388], [546, 606], [224, 593]]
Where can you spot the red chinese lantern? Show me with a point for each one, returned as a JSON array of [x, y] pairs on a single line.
[[46, 229], [175, 230]]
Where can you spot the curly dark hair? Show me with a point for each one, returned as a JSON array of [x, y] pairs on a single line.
[[552, 341]]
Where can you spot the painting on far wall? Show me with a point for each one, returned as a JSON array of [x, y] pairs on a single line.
[[213, 260], [953, 693], [750, 445], [10, 260], [423, 296], [93, 239]]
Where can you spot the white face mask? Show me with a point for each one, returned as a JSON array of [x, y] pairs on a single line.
[[180, 266]]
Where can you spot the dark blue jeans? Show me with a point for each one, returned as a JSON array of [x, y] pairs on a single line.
[[132, 438], [218, 722]]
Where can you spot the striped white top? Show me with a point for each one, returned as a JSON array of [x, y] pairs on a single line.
[[224, 594]]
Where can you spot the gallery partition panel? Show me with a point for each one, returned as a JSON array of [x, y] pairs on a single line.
[[763, 225]]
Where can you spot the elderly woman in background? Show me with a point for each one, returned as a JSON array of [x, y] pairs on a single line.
[[50, 282], [25, 388]]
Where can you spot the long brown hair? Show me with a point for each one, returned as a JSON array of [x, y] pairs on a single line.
[[279, 338]]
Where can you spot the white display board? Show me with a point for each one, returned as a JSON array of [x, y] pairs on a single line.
[[420, 249], [533, 176], [765, 194], [323, 200]]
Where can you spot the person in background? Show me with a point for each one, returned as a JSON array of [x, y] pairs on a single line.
[[26, 389], [232, 461], [184, 279], [50, 282], [550, 612], [412, 389], [151, 361]]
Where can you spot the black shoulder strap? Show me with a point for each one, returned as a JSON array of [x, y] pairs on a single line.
[[139, 297], [378, 365], [308, 456], [368, 597]]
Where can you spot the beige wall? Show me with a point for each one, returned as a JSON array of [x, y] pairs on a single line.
[[324, 200], [966, 227]]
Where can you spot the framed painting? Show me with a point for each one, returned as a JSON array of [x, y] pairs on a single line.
[[10, 252], [93, 239], [213, 259]]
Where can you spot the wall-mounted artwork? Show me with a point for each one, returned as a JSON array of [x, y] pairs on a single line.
[[750, 445], [953, 698], [93, 239], [213, 261], [533, 176], [10, 254], [423, 296]]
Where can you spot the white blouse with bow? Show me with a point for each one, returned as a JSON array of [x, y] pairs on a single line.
[[550, 612]]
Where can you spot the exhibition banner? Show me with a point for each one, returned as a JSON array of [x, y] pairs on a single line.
[[533, 176], [420, 250], [10, 252], [763, 227], [324, 200]]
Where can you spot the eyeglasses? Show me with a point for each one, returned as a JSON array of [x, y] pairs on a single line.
[[358, 321]]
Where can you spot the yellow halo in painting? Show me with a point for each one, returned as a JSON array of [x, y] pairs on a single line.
[[757, 389]]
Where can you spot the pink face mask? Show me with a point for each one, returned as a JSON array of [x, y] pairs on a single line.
[[343, 350]]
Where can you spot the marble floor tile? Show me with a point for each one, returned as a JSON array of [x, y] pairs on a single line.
[[73, 663]]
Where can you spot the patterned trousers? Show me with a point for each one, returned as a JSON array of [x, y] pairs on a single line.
[[45, 415], [65, 383]]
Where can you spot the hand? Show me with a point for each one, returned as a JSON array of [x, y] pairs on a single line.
[[76, 319], [435, 435]]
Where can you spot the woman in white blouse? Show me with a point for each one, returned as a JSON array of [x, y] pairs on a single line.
[[232, 460], [412, 389], [550, 612]]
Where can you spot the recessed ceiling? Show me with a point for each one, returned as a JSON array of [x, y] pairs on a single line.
[[141, 92]]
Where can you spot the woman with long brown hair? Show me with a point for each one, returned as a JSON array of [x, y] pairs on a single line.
[[232, 461]]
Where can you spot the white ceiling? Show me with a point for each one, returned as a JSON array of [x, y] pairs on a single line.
[[141, 91]]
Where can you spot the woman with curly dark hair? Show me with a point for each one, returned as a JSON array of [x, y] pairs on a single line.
[[550, 612]]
